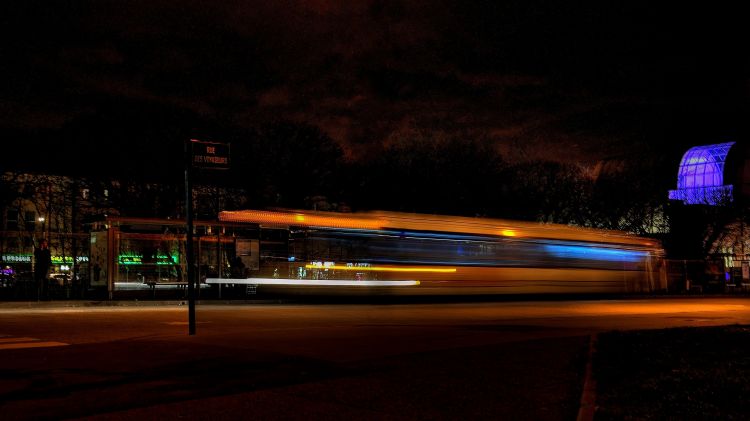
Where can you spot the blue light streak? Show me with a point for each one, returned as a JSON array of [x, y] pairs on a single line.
[[595, 253]]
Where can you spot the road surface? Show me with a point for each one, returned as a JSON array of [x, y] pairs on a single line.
[[480, 360]]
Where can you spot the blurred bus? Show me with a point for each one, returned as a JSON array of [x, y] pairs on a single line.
[[401, 253]]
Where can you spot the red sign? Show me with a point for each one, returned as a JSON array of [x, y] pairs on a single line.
[[210, 155]]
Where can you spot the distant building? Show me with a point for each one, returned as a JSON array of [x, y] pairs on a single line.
[[61, 209], [713, 175], [708, 212]]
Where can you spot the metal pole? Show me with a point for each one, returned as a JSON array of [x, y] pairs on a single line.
[[189, 239]]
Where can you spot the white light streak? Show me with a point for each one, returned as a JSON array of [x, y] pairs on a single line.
[[313, 282]]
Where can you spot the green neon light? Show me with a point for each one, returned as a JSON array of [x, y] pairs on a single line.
[[124, 259], [27, 258], [129, 258]]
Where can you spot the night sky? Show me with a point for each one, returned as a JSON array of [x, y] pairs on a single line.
[[539, 79]]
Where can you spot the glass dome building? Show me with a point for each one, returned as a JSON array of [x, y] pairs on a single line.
[[700, 178]]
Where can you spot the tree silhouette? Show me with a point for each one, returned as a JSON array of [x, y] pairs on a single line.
[[286, 164], [440, 174]]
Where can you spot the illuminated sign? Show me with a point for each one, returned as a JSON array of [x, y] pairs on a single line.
[[210, 155], [128, 258], [56, 259], [17, 258]]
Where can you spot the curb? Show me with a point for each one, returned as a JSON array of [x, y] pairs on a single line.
[[587, 407]]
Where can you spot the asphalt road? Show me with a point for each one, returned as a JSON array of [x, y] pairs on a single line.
[[477, 360]]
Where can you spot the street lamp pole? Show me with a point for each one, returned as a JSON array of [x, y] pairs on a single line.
[[189, 238]]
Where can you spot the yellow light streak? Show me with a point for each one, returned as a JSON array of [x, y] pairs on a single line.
[[508, 233], [382, 268]]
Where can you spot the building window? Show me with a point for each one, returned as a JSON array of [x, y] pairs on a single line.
[[29, 218], [11, 221], [11, 243]]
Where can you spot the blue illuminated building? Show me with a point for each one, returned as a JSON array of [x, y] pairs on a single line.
[[700, 179]]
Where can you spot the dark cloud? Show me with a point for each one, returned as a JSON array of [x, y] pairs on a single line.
[[590, 79]]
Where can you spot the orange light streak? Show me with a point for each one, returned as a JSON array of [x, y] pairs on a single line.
[[301, 219], [381, 220]]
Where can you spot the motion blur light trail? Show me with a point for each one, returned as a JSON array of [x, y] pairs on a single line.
[[381, 268], [447, 254]]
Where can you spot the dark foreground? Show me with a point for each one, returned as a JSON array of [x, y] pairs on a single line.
[[674, 374], [491, 382]]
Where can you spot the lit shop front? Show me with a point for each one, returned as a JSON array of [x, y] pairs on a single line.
[[136, 254]]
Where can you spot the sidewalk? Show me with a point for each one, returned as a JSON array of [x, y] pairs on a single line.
[[57, 304]]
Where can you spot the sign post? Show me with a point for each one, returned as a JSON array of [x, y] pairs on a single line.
[[198, 154]]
